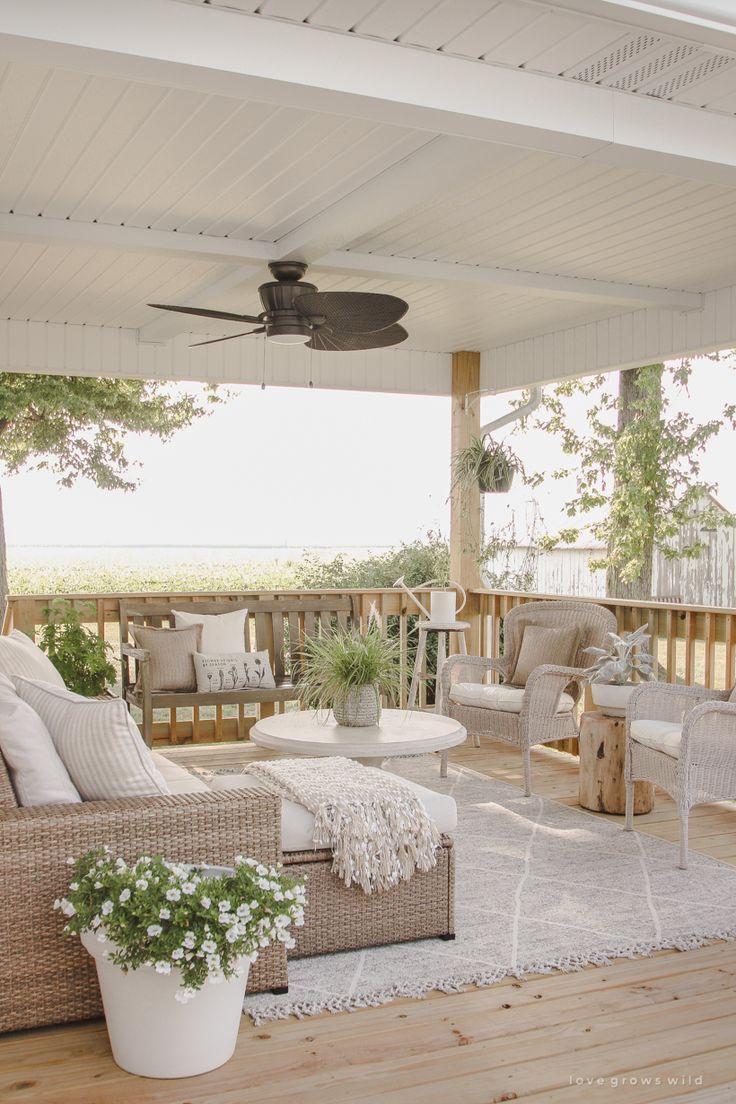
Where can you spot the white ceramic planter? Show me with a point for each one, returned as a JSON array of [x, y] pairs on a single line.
[[154, 1035], [612, 700]]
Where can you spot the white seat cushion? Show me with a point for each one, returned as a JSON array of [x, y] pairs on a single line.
[[178, 779], [659, 735], [297, 823], [506, 699]]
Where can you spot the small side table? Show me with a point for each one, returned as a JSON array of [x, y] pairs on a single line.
[[442, 628], [602, 755]]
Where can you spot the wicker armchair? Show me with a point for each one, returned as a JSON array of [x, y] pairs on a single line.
[[46, 977], [683, 739], [538, 717]]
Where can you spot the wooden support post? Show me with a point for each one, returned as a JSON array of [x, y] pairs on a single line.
[[465, 505]]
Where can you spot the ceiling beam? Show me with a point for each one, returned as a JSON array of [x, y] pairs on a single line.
[[249, 57], [132, 239], [577, 287]]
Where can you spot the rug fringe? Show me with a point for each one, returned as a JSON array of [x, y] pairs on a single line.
[[458, 984]]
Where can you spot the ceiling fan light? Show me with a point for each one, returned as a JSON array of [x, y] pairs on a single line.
[[289, 338]]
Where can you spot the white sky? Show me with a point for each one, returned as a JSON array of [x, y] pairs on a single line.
[[310, 467]]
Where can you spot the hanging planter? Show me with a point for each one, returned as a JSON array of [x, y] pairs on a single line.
[[484, 462]]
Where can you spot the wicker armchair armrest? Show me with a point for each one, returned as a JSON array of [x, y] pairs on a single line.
[[545, 685], [662, 701], [469, 668], [709, 730]]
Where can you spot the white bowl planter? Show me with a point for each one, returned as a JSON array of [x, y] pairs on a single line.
[[612, 699], [154, 1035]]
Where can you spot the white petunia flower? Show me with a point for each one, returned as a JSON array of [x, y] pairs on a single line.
[[107, 907], [205, 902], [185, 994], [163, 967], [188, 888], [124, 895], [173, 894], [164, 914], [153, 930], [190, 941], [141, 883], [177, 953], [232, 935], [209, 946], [224, 906]]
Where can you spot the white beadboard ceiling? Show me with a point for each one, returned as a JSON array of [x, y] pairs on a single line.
[[535, 35], [121, 188]]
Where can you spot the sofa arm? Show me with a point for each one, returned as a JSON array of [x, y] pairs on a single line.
[[46, 977], [470, 668], [662, 701]]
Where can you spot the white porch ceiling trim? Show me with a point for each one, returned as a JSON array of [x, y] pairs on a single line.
[[215, 50], [614, 344], [57, 348]]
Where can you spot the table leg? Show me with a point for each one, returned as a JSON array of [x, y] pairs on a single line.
[[371, 761], [463, 644], [443, 764]]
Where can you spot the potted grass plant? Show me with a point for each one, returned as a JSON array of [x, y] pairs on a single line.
[[348, 672], [610, 677], [162, 935], [488, 463]]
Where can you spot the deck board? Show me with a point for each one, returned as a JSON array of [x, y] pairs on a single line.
[[670, 1017]]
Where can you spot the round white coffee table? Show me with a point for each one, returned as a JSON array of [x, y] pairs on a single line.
[[400, 732]]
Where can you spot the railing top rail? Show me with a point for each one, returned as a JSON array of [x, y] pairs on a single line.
[[652, 603]]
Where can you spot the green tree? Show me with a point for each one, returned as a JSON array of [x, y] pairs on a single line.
[[75, 427], [638, 470]]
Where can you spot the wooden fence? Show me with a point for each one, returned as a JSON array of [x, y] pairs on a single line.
[[693, 644]]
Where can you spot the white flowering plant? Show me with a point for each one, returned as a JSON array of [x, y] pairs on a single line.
[[175, 916]]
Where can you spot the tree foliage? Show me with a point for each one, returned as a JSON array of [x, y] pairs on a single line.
[[637, 464], [74, 426]]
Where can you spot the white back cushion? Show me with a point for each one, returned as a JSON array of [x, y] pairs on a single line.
[[20, 656], [221, 632], [98, 742], [37, 773]]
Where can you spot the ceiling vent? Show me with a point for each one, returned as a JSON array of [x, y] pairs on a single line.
[[655, 66], [604, 64], [688, 75]]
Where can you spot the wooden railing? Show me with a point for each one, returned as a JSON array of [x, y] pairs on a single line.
[[692, 644]]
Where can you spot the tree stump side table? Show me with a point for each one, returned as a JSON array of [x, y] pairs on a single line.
[[602, 756]]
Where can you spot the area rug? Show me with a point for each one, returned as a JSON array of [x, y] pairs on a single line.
[[539, 887]]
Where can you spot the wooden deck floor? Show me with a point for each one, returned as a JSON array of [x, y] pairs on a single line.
[[670, 1018]]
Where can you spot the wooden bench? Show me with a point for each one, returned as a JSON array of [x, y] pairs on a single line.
[[278, 625]]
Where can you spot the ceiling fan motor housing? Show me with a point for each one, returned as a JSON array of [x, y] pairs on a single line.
[[277, 296]]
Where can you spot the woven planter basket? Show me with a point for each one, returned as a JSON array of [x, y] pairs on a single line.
[[359, 708]]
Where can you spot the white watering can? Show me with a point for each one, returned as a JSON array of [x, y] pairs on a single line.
[[443, 607]]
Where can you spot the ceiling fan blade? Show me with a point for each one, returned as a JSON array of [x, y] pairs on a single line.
[[202, 312], [230, 337], [355, 312], [330, 342]]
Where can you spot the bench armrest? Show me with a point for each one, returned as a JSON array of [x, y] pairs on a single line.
[[141, 654]]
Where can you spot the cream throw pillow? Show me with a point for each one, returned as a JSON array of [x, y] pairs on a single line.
[[172, 665], [541, 645], [97, 741], [20, 656], [222, 633], [36, 771], [237, 671]]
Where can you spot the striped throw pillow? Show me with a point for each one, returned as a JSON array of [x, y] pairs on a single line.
[[20, 656], [97, 741]]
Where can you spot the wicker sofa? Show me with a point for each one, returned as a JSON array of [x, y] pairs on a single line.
[[47, 978]]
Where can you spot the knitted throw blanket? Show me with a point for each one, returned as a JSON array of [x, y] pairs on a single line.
[[376, 827]]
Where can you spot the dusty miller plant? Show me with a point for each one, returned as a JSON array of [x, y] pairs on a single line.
[[625, 656]]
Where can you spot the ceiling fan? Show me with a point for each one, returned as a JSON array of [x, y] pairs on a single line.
[[296, 313]]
